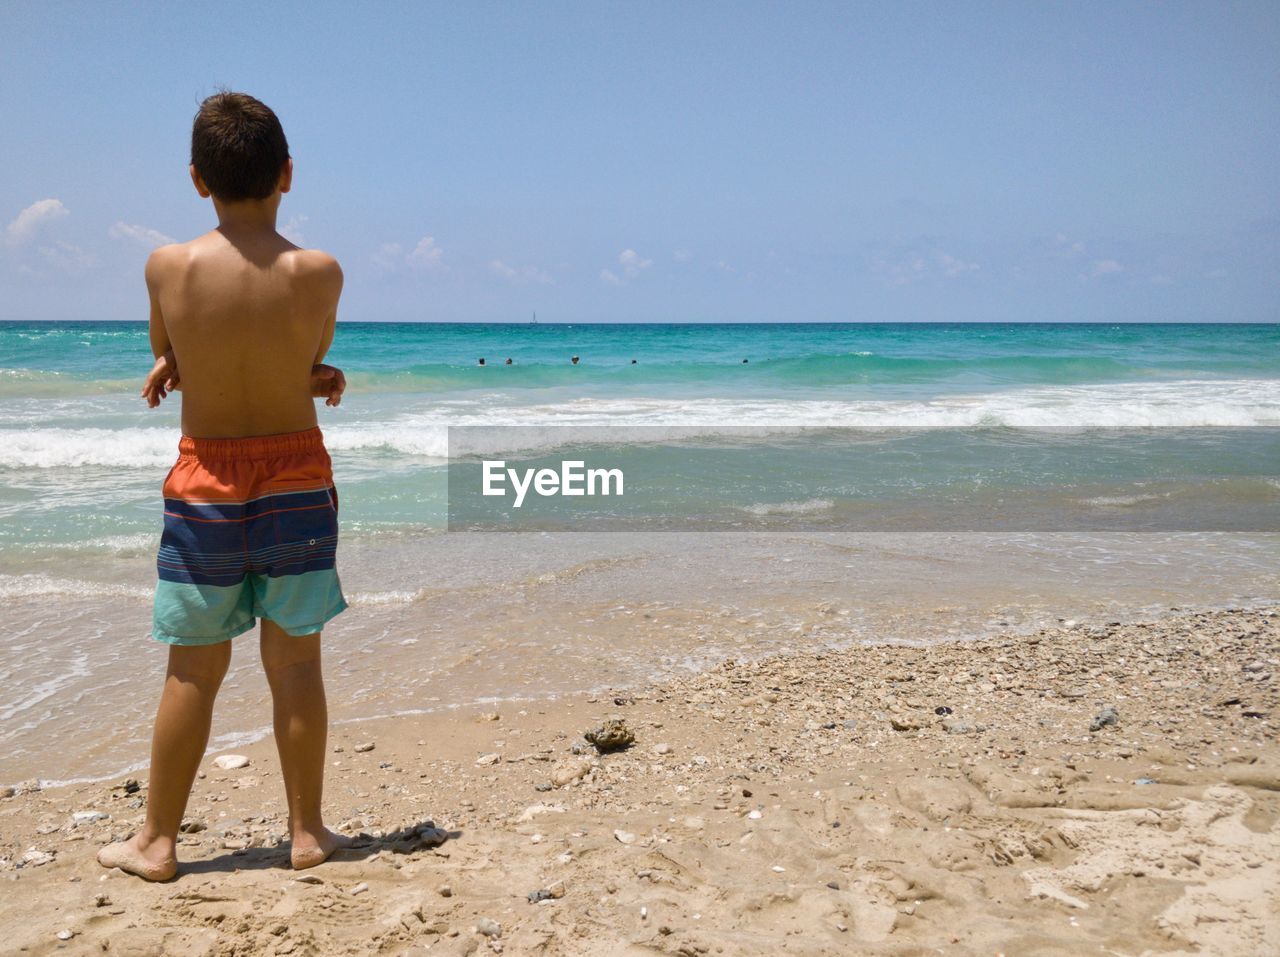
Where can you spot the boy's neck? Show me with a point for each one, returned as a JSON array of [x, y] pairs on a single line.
[[248, 216]]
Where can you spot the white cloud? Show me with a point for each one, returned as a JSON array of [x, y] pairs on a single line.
[[914, 267], [632, 264], [518, 273], [426, 256], [1107, 267], [724, 266], [140, 234], [30, 219], [682, 256], [292, 230], [901, 272], [1067, 247], [952, 267]]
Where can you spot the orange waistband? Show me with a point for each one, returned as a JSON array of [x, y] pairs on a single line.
[[252, 446]]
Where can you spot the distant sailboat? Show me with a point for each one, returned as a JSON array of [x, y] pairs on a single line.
[[535, 320]]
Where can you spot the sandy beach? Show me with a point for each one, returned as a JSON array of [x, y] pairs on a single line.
[[677, 480], [1109, 789]]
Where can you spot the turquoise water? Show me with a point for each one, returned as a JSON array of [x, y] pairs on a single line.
[[81, 456], [785, 360]]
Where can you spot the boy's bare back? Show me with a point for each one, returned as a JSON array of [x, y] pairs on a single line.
[[247, 314]]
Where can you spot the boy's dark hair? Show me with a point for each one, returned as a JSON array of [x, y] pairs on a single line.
[[238, 146]]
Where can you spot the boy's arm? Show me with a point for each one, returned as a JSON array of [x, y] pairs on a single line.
[[327, 380], [163, 377], [329, 277]]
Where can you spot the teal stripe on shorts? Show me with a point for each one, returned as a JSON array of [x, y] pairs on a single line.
[[190, 614]]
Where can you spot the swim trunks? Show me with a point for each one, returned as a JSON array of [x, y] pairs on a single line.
[[250, 531]]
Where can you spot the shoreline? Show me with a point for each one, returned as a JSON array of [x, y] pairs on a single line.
[[233, 739], [752, 788]]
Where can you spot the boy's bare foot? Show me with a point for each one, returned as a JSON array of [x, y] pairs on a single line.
[[151, 863], [311, 849]]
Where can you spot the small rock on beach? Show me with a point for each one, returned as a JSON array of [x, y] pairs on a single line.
[[612, 735], [1107, 717]]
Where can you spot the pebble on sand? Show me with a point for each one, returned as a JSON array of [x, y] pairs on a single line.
[[612, 735], [568, 773], [533, 810], [358, 889], [363, 748], [1107, 717], [550, 892], [488, 927], [624, 837], [955, 726], [231, 762]]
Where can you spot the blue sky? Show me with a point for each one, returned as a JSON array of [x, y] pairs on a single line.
[[672, 162]]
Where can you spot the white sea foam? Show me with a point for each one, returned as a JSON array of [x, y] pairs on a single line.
[[53, 448], [71, 672], [360, 599], [425, 434], [13, 587], [807, 507], [1122, 501]]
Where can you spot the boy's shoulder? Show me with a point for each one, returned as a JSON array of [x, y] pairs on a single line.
[[164, 260], [315, 274], [309, 265], [315, 263]]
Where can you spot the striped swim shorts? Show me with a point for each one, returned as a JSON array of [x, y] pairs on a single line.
[[250, 531]]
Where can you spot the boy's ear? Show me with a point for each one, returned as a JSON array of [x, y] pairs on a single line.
[[286, 175], [198, 181]]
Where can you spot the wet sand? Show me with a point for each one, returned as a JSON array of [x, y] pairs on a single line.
[[1107, 788], [474, 619]]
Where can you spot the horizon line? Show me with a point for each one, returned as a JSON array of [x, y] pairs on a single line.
[[753, 322]]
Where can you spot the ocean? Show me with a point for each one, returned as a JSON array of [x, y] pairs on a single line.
[[1007, 474]]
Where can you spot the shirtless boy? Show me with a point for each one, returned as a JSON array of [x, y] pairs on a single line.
[[240, 320]]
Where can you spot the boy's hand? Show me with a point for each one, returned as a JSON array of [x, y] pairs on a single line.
[[328, 382], [162, 380]]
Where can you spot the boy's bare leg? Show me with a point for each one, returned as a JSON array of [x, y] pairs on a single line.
[[177, 746], [301, 721]]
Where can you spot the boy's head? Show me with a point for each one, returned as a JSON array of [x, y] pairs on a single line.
[[238, 147]]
